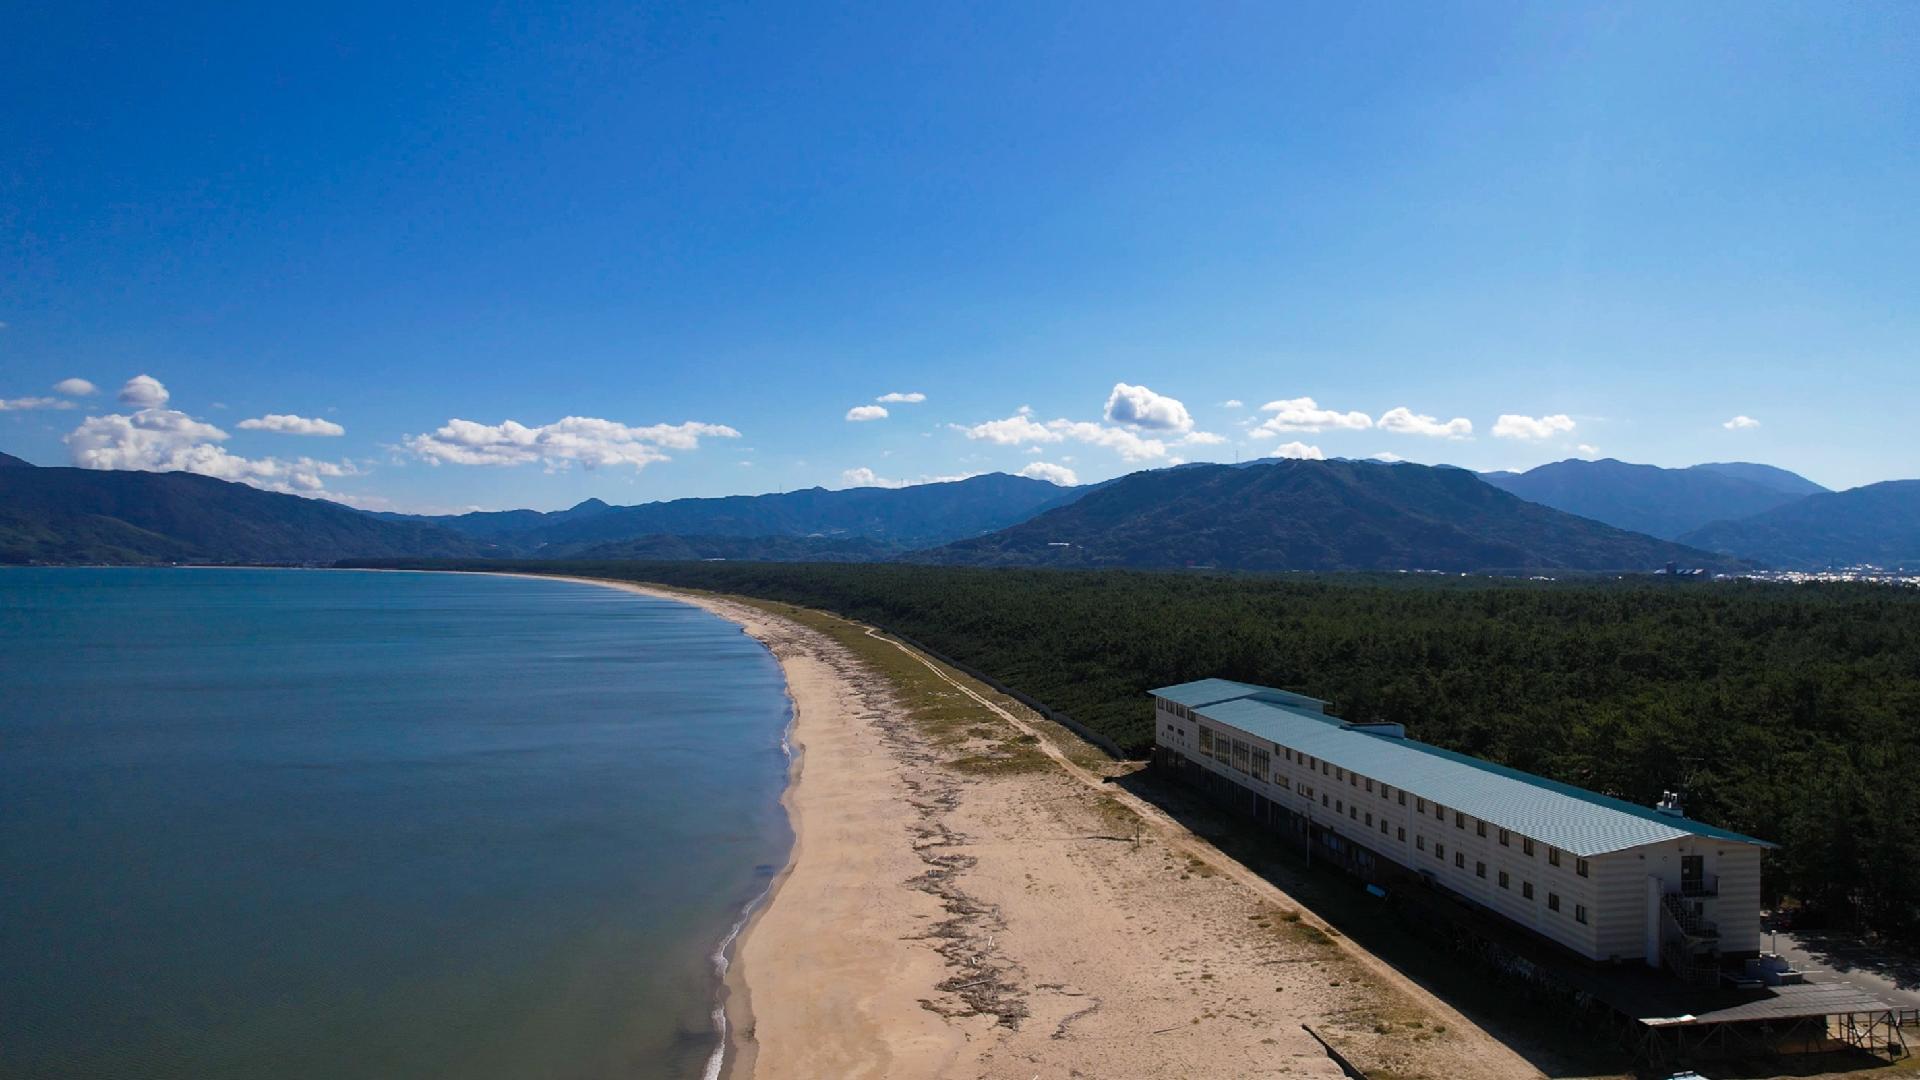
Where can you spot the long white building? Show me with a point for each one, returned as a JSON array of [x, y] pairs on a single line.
[[1607, 879]]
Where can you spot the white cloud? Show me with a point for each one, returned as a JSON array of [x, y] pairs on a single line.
[[1388, 456], [144, 392], [1141, 407], [1021, 427], [1202, 438], [1052, 474], [22, 404], [1233, 403], [862, 413], [1298, 451], [289, 424], [1129, 445], [1588, 450], [1305, 414], [1404, 421], [1511, 426], [865, 477], [158, 439], [586, 440], [75, 388], [913, 397], [1740, 423]]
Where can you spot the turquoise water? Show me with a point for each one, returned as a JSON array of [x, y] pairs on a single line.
[[284, 823]]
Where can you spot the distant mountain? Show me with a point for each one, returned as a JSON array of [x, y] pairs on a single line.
[[88, 516], [1652, 500], [8, 461], [743, 549], [1316, 515], [1765, 475], [1878, 524], [907, 517], [495, 524]]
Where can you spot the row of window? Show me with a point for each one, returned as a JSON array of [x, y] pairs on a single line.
[[1257, 763]]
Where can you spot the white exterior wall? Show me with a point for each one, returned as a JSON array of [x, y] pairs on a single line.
[[1613, 892]]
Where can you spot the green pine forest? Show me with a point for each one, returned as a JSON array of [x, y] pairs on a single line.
[[1790, 712]]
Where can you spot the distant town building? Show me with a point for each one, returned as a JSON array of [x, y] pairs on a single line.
[[1609, 880]]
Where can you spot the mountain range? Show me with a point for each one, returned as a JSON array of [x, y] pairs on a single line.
[[1317, 515], [1265, 515]]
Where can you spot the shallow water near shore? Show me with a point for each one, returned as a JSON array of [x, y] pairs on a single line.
[[318, 824]]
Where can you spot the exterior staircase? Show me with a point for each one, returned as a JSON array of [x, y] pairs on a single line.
[[1690, 944]]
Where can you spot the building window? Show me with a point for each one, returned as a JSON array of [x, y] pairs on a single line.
[[1526, 845], [1579, 913], [1403, 834], [1340, 774], [1459, 860], [1369, 787], [1206, 740], [1526, 889], [1580, 867], [1353, 779], [1419, 806], [1420, 842], [1383, 826], [1353, 812], [1439, 811], [1369, 820], [1503, 879], [1503, 838], [1326, 769], [1402, 796], [1553, 856], [1479, 869], [1339, 807], [1323, 800], [1553, 901], [1242, 756], [1440, 851], [1459, 820], [1479, 828], [1262, 763]]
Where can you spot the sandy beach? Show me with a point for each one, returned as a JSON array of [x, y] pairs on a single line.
[[967, 898]]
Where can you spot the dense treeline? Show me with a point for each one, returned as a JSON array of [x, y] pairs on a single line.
[[1788, 712]]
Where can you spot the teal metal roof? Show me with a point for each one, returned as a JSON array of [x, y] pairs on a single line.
[[1576, 820], [1208, 691]]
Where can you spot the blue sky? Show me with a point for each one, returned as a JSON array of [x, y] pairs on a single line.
[[712, 233]]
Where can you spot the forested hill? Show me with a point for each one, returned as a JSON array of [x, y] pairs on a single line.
[[89, 516], [1320, 516], [1877, 524], [1652, 500], [1790, 712]]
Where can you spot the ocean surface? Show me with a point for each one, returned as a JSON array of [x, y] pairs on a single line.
[[289, 824]]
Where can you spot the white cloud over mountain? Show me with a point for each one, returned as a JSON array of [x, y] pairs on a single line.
[[1404, 421], [1298, 451], [1051, 473], [1533, 429], [1305, 414], [289, 424], [865, 477], [584, 440], [158, 439]]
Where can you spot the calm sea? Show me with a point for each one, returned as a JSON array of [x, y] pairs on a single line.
[[284, 823]]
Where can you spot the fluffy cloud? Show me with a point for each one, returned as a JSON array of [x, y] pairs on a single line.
[[157, 439], [1389, 457], [144, 392], [1233, 403], [289, 424], [75, 388], [1131, 446], [1019, 428], [1052, 474], [1140, 407], [1587, 450], [1202, 438], [865, 477], [1305, 414], [862, 413], [1298, 451], [22, 404], [1740, 423], [586, 440], [1533, 429], [1404, 421], [913, 397]]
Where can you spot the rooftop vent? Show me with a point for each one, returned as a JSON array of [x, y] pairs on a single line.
[[1378, 727], [1669, 804]]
